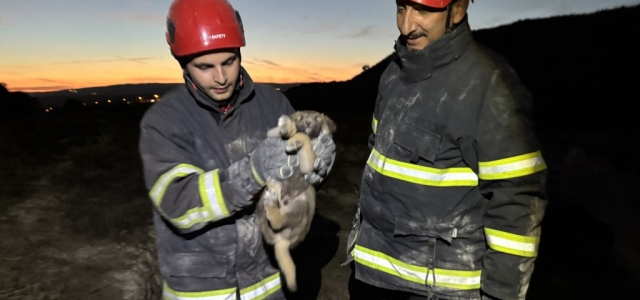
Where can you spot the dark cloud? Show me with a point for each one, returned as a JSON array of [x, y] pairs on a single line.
[[153, 80], [362, 32], [260, 62], [140, 60], [51, 80]]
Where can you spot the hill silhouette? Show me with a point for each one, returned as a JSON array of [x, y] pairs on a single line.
[[59, 97], [569, 63]]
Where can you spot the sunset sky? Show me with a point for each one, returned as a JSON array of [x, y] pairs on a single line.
[[60, 44]]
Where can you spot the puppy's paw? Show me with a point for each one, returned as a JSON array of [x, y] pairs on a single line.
[[286, 126], [292, 145], [271, 198]]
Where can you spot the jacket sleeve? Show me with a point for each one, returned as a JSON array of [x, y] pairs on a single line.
[[374, 123], [182, 191], [512, 175]]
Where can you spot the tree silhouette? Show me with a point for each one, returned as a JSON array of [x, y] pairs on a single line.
[[366, 67], [17, 103]]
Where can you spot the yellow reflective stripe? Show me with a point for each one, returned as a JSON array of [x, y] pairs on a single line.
[[374, 125], [256, 176], [506, 242], [171, 294], [420, 174], [192, 216], [160, 187], [262, 289], [211, 194], [213, 206], [512, 167], [454, 279]]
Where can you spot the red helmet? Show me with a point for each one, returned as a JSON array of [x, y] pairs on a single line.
[[195, 26], [434, 3]]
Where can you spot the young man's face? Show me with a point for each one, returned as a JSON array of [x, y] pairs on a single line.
[[421, 25], [216, 73]]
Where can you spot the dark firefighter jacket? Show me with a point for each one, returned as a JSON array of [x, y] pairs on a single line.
[[195, 157], [454, 167]]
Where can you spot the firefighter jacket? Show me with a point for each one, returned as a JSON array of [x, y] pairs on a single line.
[[195, 158], [453, 192]]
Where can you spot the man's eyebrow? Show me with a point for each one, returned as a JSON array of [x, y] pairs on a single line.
[[203, 64], [230, 59]]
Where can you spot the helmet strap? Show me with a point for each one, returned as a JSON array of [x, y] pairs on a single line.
[[449, 27], [448, 24]]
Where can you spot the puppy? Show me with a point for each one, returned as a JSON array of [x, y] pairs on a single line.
[[285, 209]]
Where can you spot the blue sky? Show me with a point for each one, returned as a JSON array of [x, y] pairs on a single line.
[[59, 44]]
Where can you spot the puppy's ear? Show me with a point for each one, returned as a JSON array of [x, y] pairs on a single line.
[[330, 124]]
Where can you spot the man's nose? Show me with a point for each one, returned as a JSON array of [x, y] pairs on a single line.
[[408, 21], [219, 76]]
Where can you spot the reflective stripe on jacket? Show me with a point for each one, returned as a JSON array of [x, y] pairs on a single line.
[[454, 167], [209, 244]]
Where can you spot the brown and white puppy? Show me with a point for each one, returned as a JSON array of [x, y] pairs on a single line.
[[285, 209]]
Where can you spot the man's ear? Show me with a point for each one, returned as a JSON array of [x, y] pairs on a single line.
[[459, 10]]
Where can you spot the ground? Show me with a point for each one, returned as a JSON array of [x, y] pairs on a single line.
[[75, 220]]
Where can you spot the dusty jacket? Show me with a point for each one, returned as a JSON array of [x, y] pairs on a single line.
[[207, 235], [454, 166]]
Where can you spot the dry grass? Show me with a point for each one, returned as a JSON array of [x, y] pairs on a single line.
[[74, 215]]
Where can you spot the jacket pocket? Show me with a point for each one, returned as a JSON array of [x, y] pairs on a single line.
[[203, 265], [410, 227], [415, 142]]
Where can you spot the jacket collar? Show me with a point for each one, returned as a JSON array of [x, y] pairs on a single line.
[[418, 65], [242, 93]]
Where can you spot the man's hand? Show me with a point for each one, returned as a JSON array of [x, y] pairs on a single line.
[[325, 149], [270, 160]]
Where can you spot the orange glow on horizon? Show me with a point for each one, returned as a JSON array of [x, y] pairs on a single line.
[[46, 78]]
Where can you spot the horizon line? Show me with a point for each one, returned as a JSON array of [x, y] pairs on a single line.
[[59, 89]]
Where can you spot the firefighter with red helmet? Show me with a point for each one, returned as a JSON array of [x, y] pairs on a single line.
[[453, 192], [206, 158]]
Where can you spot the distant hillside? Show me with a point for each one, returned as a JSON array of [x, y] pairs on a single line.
[[111, 90], [57, 98], [568, 62]]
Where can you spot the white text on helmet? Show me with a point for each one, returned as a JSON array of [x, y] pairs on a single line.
[[217, 36]]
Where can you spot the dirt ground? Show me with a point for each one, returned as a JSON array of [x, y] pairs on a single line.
[[75, 219]]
